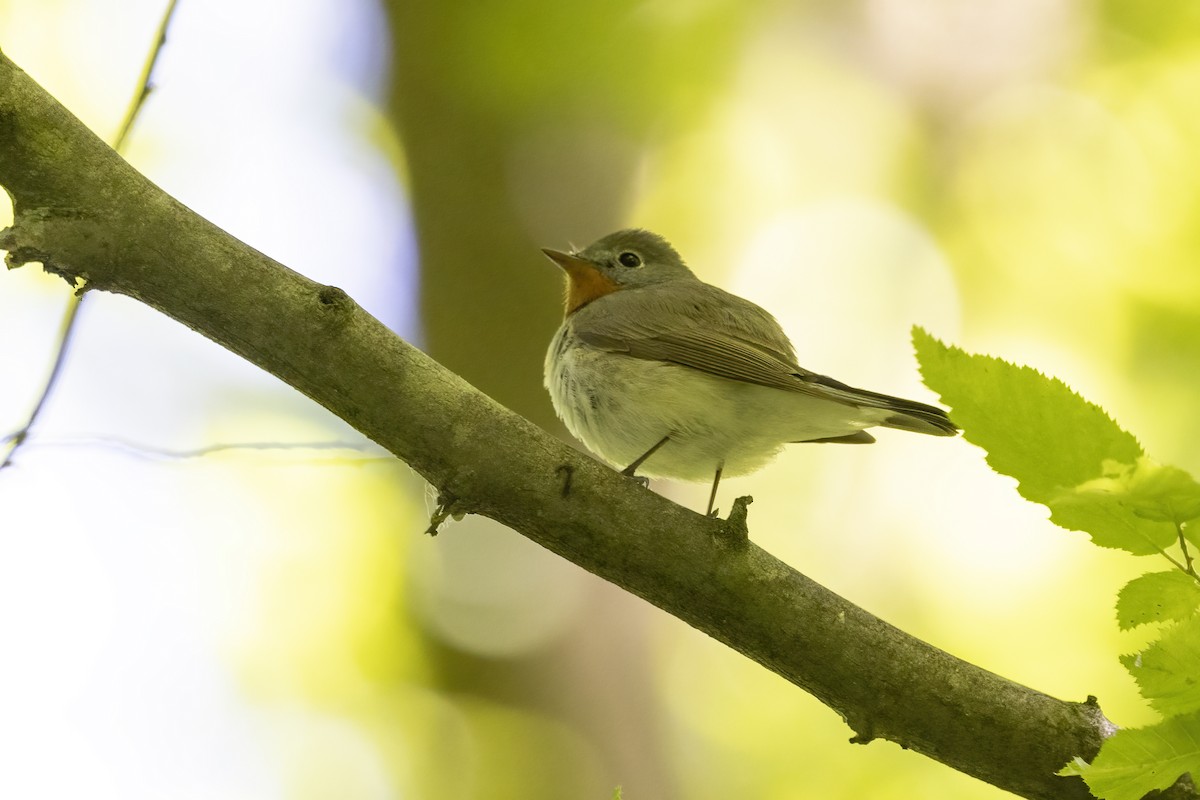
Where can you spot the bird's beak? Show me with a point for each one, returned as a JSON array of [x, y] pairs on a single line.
[[573, 265], [585, 281]]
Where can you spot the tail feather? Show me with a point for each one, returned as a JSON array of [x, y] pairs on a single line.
[[934, 424], [909, 415], [859, 437]]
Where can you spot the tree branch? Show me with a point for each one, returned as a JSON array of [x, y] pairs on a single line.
[[83, 212], [71, 315]]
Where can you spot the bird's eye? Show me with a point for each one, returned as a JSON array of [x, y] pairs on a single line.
[[629, 259]]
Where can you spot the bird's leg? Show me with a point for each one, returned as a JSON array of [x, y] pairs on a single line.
[[712, 498], [633, 467]]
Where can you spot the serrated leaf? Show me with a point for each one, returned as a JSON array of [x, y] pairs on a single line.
[[1168, 671], [1075, 767], [1157, 597], [1033, 428], [1136, 761], [1064, 451]]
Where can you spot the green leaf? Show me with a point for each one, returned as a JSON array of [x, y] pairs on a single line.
[[1110, 522], [1157, 597], [1065, 452], [1033, 428], [1139, 760], [1168, 671], [1149, 490], [1163, 493], [1075, 767]]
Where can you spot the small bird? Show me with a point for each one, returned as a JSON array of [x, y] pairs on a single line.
[[654, 369]]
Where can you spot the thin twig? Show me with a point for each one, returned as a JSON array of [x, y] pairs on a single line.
[[1187, 556], [370, 451], [17, 438], [1162, 552], [143, 84]]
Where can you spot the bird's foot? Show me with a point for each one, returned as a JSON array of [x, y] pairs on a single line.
[[629, 471]]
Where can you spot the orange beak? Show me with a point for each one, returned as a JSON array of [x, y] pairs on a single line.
[[585, 282]]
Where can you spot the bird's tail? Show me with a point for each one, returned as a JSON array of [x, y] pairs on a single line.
[[905, 415], [925, 419], [909, 415]]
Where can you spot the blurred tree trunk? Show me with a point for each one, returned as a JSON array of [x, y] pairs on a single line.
[[489, 304]]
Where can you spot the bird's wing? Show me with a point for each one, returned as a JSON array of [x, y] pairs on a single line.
[[700, 326], [695, 325], [714, 352]]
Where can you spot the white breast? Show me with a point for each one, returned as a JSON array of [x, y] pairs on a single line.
[[620, 407]]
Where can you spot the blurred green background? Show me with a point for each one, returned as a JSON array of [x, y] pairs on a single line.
[[1018, 177]]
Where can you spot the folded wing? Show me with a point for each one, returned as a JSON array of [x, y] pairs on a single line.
[[704, 328]]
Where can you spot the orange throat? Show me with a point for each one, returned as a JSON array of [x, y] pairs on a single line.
[[585, 284]]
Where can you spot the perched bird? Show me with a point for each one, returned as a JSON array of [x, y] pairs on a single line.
[[654, 369]]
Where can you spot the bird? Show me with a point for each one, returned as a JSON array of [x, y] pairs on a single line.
[[655, 370]]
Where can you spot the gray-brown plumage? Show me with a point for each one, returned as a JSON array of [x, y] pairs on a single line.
[[649, 352]]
